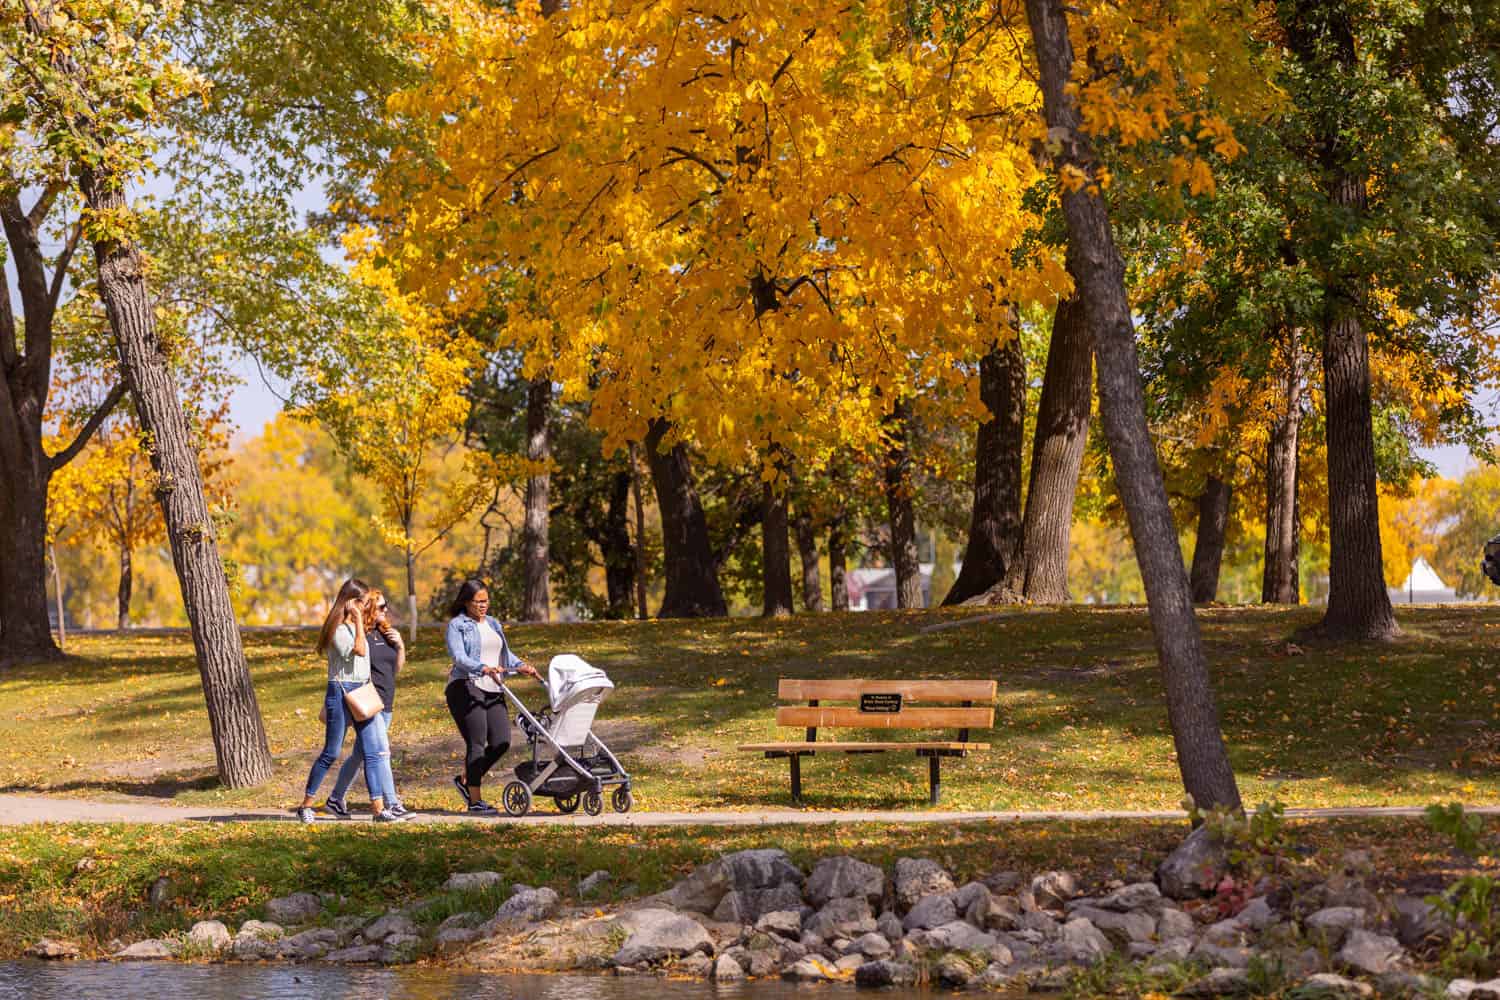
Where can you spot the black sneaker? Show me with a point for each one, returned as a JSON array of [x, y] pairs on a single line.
[[463, 789], [400, 810], [482, 808], [338, 807]]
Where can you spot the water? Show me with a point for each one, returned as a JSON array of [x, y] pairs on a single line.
[[170, 981]]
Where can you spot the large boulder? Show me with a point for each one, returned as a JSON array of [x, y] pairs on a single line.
[[844, 877], [210, 935], [930, 911], [846, 918], [53, 951], [1052, 890], [454, 939], [885, 972], [1327, 986], [1136, 896], [298, 908], [1370, 954], [920, 877], [1079, 941], [655, 935], [957, 935], [1418, 924], [526, 905], [1195, 868], [472, 881], [310, 944], [1221, 982], [765, 868], [1174, 923], [746, 906], [1332, 924], [391, 923], [781, 923], [151, 950], [1120, 927], [727, 970], [362, 954]]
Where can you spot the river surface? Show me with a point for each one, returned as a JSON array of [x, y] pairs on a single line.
[[173, 981]]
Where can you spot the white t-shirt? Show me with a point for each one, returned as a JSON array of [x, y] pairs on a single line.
[[489, 655]]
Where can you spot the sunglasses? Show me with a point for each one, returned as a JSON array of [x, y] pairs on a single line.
[[382, 607]]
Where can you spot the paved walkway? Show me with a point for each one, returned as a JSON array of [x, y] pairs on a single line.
[[24, 809]]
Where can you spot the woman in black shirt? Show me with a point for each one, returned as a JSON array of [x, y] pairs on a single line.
[[387, 657]]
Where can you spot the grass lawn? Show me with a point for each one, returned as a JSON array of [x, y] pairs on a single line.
[[229, 871], [1081, 722]]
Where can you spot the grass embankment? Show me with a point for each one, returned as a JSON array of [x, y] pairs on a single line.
[[229, 871], [1080, 725]]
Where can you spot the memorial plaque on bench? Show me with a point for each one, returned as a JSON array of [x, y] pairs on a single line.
[[886, 703]]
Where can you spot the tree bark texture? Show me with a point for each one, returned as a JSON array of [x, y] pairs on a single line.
[[122, 595], [234, 716], [776, 555], [806, 534], [838, 582], [1359, 606], [536, 604], [692, 582], [1062, 431], [903, 522], [641, 611], [25, 634], [993, 553], [1280, 576], [1208, 549], [1191, 708], [619, 554]]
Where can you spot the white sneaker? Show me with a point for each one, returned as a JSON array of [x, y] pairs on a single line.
[[306, 814]]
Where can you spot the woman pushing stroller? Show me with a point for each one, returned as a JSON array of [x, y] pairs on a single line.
[[481, 657]]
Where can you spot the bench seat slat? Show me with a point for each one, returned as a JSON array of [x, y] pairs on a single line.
[[908, 718], [922, 692], [834, 745]]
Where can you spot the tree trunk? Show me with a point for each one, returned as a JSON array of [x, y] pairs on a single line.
[[1208, 550], [1280, 576], [536, 604], [57, 588], [898, 499], [122, 596], [411, 584], [838, 583], [1062, 431], [993, 553], [619, 554], [641, 611], [25, 633], [807, 553], [1359, 607], [688, 561], [776, 555], [233, 714], [1191, 708]]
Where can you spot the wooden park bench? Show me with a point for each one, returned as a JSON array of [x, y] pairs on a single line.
[[875, 704]]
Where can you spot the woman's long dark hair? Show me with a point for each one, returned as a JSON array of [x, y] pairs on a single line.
[[352, 589], [465, 595]]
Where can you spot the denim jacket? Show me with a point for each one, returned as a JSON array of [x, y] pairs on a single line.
[[463, 647]]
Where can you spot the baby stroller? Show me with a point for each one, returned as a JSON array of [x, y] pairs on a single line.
[[568, 762]]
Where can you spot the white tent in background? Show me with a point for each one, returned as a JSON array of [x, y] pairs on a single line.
[[1423, 586]]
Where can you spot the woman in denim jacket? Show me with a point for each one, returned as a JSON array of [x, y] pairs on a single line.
[[481, 656]]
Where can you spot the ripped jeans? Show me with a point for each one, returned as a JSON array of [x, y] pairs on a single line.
[[369, 737], [356, 758]]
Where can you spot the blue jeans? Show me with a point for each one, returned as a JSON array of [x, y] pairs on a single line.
[[368, 736], [356, 758]]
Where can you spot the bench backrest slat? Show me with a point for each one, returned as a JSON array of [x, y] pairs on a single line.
[[907, 718], [920, 692]]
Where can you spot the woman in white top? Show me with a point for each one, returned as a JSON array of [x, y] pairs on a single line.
[[343, 639], [481, 656]]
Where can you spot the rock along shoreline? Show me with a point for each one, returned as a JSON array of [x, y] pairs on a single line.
[[755, 914]]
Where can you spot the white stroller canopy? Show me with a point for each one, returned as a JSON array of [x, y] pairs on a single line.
[[569, 676]]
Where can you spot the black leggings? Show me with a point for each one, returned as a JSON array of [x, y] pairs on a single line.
[[484, 721]]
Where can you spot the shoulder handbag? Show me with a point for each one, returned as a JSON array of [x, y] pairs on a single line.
[[364, 702]]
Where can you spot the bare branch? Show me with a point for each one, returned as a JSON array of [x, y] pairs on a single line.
[[60, 273], [107, 407], [43, 205], [683, 154]]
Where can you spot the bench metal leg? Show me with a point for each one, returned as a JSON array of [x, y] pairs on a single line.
[[796, 760], [934, 782]]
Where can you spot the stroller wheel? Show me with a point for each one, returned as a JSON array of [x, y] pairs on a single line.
[[622, 800], [516, 798], [593, 802], [567, 803]]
